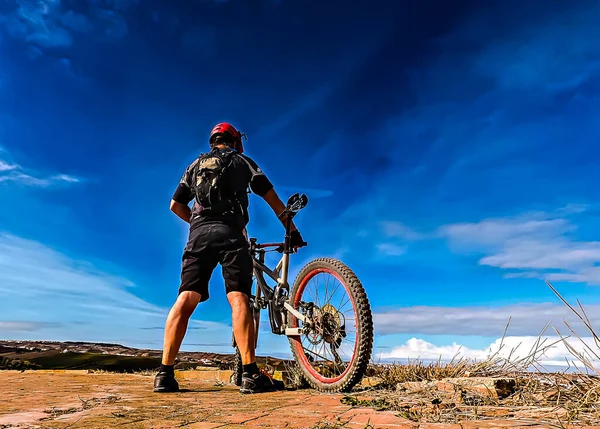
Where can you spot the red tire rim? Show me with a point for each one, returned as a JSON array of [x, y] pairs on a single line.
[[299, 348]]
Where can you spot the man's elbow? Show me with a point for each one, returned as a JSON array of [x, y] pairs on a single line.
[[175, 207], [270, 196]]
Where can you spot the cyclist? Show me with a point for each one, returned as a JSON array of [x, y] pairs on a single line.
[[218, 182]]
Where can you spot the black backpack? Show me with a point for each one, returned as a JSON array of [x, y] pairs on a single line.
[[213, 187]]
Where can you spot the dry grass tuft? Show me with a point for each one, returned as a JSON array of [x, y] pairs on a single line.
[[339, 425], [558, 399]]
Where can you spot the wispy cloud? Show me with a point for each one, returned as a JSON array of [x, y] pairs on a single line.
[[25, 326], [50, 23], [390, 249], [14, 173], [5, 166], [337, 77], [485, 143], [286, 191], [394, 229], [526, 319], [46, 294], [540, 244]]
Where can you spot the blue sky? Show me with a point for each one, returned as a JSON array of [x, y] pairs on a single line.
[[453, 147]]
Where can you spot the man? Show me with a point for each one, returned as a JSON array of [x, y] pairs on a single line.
[[218, 181]]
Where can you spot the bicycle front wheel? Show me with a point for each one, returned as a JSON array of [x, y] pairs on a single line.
[[334, 351]]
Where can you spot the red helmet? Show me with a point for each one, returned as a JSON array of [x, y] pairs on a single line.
[[228, 135]]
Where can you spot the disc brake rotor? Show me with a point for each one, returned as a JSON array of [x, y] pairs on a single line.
[[330, 323]]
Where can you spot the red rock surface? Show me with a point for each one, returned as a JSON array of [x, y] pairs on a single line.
[[79, 400]]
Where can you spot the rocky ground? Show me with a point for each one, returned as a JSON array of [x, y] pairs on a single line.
[[78, 399], [88, 385]]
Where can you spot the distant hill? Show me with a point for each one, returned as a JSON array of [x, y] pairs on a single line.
[[102, 356]]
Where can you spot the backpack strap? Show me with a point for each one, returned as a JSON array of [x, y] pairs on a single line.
[[250, 167]]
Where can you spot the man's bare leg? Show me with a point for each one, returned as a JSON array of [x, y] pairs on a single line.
[[176, 325], [243, 325], [175, 328], [244, 331]]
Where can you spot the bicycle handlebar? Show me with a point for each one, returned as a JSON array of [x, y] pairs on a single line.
[[265, 245], [280, 246], [295, 203]]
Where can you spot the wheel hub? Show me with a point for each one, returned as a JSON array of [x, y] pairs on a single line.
[[330, 323]]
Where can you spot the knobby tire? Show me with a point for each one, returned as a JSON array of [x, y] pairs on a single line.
[[364, 328], [236, 377]]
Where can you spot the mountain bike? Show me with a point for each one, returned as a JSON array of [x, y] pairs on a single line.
[[317, 328]]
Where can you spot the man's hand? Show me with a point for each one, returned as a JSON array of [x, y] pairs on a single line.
[[277, 206], [296, 239]]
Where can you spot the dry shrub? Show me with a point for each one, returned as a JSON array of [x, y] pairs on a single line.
[[558, 399]]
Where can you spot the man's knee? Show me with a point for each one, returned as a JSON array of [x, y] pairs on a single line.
[[238, 301], [187, 302], [237, 297]]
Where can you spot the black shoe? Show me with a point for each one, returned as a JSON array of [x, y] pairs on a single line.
[[165, 383], [257, 383]]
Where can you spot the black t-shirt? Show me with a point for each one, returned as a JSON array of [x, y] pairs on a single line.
[[244, 173]]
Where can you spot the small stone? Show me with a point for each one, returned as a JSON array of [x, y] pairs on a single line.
[[496, 388], [411, 386]]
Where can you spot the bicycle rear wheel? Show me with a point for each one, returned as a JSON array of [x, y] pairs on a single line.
[[236, 377], [333, 329]]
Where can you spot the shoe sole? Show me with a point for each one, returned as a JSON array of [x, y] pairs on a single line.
[[249, 391], [165, 390]]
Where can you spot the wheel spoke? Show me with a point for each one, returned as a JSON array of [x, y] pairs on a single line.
[[328, 352]]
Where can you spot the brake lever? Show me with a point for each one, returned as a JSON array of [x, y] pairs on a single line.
[[295, 248]]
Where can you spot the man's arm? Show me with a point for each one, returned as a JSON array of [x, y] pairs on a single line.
[[183, 195], [181, 210], [262, 186], [277, 206]]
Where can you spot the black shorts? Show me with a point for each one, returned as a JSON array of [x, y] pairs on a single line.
[[211, 244]]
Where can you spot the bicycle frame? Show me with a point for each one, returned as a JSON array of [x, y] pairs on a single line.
[[275, 299]]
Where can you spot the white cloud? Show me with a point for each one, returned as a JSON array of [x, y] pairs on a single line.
[[390, 249], [525, 319], [394, 229], [549, 350], [48, 295], [497, 231], [5, 166], [538, 254], [48, 23], [416, 348], [533, 242], [11, 172]]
